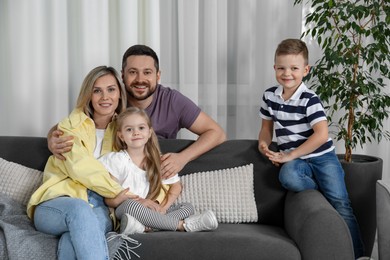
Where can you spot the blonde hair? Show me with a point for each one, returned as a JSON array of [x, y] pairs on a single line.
[[293, 46], [85, 96], [152, 152]]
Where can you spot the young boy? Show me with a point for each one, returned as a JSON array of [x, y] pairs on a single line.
[[307, 157]]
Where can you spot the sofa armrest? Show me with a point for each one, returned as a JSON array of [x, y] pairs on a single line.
[[316, 227], [382, 218]]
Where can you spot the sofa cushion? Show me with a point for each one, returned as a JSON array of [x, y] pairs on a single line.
[[269, 193], [230, 241], [29, 151], [228, 192], [18, 181]]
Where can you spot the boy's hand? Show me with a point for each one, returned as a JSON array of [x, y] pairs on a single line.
[[279, 157], [58, 144], [264, 148], [267, 152]]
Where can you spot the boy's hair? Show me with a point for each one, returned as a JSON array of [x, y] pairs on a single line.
[[152, 151], [139, 50], [293, 46], [85, 96]]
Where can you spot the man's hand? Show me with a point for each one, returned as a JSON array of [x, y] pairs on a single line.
[[58, 144], [121, 197], [171, 164]]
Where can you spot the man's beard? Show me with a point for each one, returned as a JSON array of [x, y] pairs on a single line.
[[140, 98]]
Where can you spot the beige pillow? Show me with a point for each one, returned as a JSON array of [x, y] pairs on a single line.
[[17, 181], [228, 192]]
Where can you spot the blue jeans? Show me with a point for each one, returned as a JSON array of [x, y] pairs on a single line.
[[325, 174], [82, 228]]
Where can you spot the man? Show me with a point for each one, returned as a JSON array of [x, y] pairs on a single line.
[[168, 109]]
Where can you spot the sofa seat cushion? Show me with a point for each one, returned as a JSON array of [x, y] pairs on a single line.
[[229, 241]]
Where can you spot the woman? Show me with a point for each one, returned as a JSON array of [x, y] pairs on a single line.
[[70, 202]]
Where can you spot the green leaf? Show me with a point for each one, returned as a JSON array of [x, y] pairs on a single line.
[[354, 37]]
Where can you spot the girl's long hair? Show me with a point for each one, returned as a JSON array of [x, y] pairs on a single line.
[[151, 161]]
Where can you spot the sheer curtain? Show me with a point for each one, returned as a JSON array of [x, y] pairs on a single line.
[[219, 53]]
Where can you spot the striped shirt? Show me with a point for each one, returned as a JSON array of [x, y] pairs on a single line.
[[294, 118]]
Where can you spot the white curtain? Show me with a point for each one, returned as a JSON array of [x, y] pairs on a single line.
[[219, 53]]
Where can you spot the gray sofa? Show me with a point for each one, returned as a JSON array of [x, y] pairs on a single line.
[[290, 225], [383, 213]]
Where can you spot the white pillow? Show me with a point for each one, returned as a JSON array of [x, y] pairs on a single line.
[[229, 193], [17, 181]]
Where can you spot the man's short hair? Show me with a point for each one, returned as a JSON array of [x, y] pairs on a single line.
[[139, 50]]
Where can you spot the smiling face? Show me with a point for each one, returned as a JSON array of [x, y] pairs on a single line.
[[290, 70], [105, 96], [134, 131], [140, 78]]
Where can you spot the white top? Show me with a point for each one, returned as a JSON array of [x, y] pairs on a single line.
[[129, 175], [99, 142]]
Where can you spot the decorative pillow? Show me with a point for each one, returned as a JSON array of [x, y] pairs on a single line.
[[228, 192], [17, 181]]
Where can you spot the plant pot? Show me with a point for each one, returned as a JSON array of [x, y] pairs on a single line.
[[360, 178]]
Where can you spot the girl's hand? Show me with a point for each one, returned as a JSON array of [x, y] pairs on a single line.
[[151, 204], [121, 197]]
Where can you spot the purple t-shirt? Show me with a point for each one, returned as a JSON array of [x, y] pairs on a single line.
[[170, 111]]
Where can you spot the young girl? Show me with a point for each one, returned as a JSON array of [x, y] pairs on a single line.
[[137, 168]]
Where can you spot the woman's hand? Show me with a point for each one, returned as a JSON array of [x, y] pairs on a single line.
[[121, 197]]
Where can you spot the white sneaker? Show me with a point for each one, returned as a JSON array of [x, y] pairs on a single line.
[[130, 225], [201, 222]]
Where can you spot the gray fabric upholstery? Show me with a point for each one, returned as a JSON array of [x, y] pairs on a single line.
[[308, 214], [383, 215], [293, 226], [229, 241], [28, 151], [22, 240], [269, 194]]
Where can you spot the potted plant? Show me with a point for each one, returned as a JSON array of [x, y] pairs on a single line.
[[350, 79]]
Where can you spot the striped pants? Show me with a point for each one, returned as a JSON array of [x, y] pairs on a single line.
[[153, 219]]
